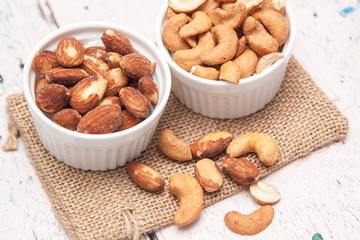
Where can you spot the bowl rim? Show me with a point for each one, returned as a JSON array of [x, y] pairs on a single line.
[[158, 110], [288, 46]]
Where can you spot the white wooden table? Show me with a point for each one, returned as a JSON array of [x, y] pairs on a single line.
[[320, 193]]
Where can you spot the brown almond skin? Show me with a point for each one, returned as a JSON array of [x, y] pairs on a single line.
[[135, 102], [145, 177], [42, 82], [66, 76], [97, 52], [116, 80], [101, 120], [208, 174], [148, 87], [113, 59], [52, 98], [111, 100], [94, 65], [69, 52], [67, 118], [94, 87], [136, 66], [211, 144], [129, 121], [241, 170], [43, 61], [114, 41]]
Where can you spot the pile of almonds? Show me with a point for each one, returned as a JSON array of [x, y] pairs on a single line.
[[95, 89]]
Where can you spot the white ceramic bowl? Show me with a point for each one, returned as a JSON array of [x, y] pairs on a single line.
[[217, 99], [90, 151]]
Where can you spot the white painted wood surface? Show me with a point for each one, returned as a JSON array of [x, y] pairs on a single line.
[[320, 193]]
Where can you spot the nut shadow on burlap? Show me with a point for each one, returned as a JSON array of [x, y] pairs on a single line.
[[109, 205]]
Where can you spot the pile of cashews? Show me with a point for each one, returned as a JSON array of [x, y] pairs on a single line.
[[225, 40]]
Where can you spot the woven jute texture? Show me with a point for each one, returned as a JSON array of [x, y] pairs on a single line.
[[109, 205]]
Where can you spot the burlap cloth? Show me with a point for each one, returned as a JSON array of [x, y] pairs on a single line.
[[109, 205]]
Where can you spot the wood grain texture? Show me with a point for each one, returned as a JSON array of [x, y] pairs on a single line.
[[319, 192]]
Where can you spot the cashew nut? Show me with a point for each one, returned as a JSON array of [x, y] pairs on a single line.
[[170, 34], [226, 48], [274, 22], [247, 62], [267, 60], [173, 147], [205, 72], [201, 23], [262, 144], [252, 5], [241, 46], [276, 5], [190, 194], [170, 13], [230, 72], [230, 14], [192, 41], [185, 6], [209, 5], [258, 38], [264, 193], [250, 224], [188, 58]]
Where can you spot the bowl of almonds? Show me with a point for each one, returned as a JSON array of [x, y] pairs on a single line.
[[96, 92], [227, 58]]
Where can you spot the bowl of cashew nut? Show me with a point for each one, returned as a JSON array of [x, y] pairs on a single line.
[[227, 58]]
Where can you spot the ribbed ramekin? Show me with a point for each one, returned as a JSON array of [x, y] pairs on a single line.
[[102, 151], [223, 100]]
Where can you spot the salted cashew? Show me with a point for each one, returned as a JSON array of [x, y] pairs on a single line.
[[230, 14], [205, 72], [258, 38], [247, 62], [276, 5], [225, 49], [170, 13], [262, 144], [185, 6], [170, 33], [267, 60], [264, 193], [192, 41], [250, 224], [209, 5], [230, 72], [200, 23], [173, 147], [188, 58], [191, 197], [275, 23], [241, 46], [252, 5]]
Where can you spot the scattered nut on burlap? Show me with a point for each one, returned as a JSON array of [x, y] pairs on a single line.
[[109, 204]]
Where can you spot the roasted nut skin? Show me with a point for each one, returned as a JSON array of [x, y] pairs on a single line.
[[67, 118], [129, 121], [69, 52], [208, 174], [136, 66], [145, 176], [241, 170], [211, 144], [148, 87], [66, 76], [43, 61], [52, 98], [135, 102], [114, 41]]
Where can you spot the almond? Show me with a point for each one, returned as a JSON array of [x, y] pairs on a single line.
[[110, 100], [208, 174], [88, 93], [116, 80], [136, 66], [52, 98], [97, 52], [66, 76], [43, 61], [69, 52], [211, 144], [113, 59], [93, 65], [42, 82], [114, 41], [101, 120], [129, 121], [241, 170], [148, 87], [135, 102], [67, 118], [145, 176]]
